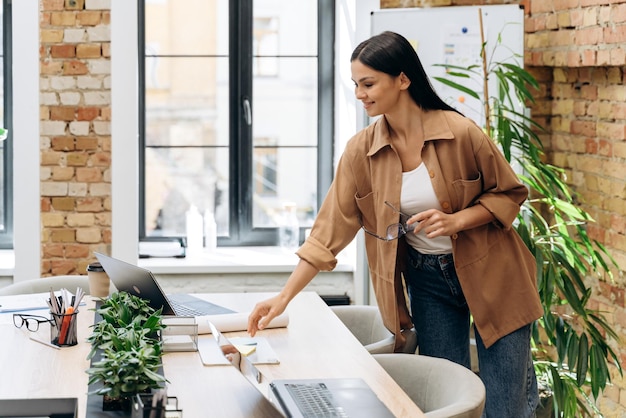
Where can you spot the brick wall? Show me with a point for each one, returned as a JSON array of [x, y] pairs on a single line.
[[577, 51], [75, 140], [582, 45]]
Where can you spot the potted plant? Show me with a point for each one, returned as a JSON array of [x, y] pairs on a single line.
[[126, 350], [571, 353]]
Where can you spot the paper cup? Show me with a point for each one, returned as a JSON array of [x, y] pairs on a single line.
[[99, 281]]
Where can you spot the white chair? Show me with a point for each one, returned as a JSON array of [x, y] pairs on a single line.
[[366, 324], [44, 284], [441, 388]]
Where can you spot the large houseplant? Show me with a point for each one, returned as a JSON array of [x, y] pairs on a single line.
[[126, 350], [571, 352]]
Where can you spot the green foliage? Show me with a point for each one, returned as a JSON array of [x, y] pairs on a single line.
[[572, 355], [122, 311], [127, 339]]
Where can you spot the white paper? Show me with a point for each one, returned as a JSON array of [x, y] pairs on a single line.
[[19, 303], [235, 322]]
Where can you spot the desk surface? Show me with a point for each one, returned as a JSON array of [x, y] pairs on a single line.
[[315, 344]]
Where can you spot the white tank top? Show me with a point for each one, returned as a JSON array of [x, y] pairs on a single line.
[[418, 195]]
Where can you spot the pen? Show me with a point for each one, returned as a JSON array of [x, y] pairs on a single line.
[[45, 343]]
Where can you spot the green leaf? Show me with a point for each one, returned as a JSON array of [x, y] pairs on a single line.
[[458, 87], [561, 340], [600, 373], [583, 355], [473, 69], [572, 350]]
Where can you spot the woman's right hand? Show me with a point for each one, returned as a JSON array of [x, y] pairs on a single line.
[[264, 312]]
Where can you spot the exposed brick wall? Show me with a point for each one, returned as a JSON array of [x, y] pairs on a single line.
[[582, 44], [576, 33], [75, 140], [577, 51]]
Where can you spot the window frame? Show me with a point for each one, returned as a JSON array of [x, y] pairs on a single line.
[[6, 236], [241, 168]]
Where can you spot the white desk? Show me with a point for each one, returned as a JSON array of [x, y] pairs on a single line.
[[315, 344]]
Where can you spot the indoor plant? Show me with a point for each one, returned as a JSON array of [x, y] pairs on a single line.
[[571, 351], [126, 350]]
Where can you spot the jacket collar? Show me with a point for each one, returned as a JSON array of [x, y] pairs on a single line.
[[435, 126]]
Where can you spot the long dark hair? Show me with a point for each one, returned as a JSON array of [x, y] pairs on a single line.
[[392, 54]]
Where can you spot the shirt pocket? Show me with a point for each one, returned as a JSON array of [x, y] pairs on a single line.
[[366, 205], [466, 192]]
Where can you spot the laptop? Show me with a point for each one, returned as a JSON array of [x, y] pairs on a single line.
[[309, 398], [141, 283]]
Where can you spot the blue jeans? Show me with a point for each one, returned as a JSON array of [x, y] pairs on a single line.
[[442, 320]]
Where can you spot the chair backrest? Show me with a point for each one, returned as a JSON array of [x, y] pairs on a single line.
[[366, 323], [44, 284], [441, 388]]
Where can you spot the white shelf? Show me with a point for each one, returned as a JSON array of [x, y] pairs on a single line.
[[235, 260]]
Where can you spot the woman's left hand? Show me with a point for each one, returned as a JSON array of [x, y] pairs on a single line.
[[434, 223]]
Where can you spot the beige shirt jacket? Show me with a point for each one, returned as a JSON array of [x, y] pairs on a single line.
[[496, 270]]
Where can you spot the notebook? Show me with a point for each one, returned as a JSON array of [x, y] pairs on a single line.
[[141, 283], [258, 350], [310, 398]]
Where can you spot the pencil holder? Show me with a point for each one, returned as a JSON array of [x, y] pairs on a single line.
[[63, 329]]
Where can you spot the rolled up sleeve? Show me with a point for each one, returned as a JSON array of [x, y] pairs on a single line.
[[503, 192], [337, 222]]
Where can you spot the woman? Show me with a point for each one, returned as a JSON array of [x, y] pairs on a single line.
[[421, 157]]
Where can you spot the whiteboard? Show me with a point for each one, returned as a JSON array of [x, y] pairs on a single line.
[[451, 35]]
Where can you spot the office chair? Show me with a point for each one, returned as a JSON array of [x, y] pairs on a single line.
[[366, 324], [441, 388], [44, 284]]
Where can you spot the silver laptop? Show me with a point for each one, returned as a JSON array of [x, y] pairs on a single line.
[[141, 283], [310, 398]]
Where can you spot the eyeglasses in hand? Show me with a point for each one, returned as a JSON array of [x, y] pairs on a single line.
[[395, 230], [31, 321]]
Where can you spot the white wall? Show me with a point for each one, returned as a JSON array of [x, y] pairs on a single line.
[[124, 131], [353, 27], [26, 196]]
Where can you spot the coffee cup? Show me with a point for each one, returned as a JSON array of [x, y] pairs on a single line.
[[98, 280]]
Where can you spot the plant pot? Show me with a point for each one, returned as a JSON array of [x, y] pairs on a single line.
[[545, 407], [123, 403]]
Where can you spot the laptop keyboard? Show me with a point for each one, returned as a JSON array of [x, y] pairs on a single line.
[[314, 400], [183, 310]]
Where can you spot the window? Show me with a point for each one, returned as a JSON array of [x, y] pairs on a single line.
[[6, 153], [237, 108]]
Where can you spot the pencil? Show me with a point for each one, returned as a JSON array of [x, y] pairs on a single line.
[[45, 343]]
